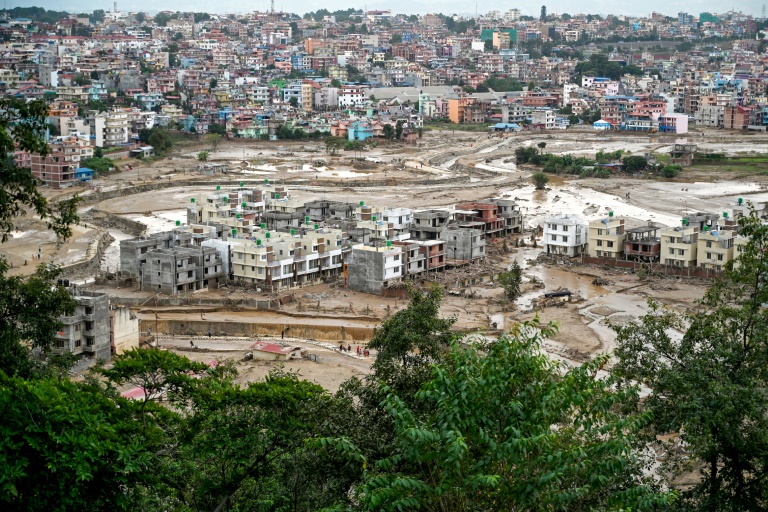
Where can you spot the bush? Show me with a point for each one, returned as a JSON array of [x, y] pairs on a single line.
[[98, 165], [540, 180], [633, 164], [671, 171]]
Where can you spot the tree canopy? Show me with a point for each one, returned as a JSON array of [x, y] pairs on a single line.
[[707, 373]]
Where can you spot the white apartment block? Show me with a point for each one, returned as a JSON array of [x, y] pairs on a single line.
[[565, 234]]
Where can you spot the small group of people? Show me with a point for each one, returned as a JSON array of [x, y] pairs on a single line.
[[360, 351]]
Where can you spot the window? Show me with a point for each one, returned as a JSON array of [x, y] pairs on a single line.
[[709, 255], [78, 343], [719, 257], [59, 343], [565, 239], [709, 244], [681, 252], [189, 274], [565, 228], [599, 232], [610, 244], [599, 243], [397, 257], [553, 237], [671, 251]]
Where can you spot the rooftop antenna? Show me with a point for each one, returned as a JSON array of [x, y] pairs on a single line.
[[272, 9], [115, 7]]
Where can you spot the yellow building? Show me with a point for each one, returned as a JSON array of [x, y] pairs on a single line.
[[679, 246], [715, 248], [606, 237]]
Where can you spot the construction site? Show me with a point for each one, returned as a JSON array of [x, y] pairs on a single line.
[[454, 172]]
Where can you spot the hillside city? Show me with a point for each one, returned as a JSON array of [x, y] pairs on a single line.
[[366, 260]]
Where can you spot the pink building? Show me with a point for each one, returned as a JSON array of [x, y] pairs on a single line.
[[673, 123]]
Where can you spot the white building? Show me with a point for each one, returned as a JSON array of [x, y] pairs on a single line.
[[565, 234], [400, 220]]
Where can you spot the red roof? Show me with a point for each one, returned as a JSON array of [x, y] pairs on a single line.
[[272, 348], [133, 394]]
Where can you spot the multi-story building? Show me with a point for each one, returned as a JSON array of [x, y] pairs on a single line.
[[57, 168], [606, 237], [275, 260], [372, 268], [87, 331], [429, 224], [565, 234], [715, 248], [465, 110], [400, 219], [181, 269], [643, 243], [463, 244], [679, 245]]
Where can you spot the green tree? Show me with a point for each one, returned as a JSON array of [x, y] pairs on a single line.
[[214, 83], [396, 39], [399, 130], [541, 146], [67, 446], [203, 156], [540, 180], [411, 340], [671, 170], [97, 16], [333, 144], [22, 127], [213, 139], [294, 102], [161, 19], [218, 129], [389, 132], [633, 164], [30, 311], [511, 281], [140, 17], [504, 424], [707, 376], [336, 83]]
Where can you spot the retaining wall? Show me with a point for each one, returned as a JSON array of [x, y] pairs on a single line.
[[656, 267]]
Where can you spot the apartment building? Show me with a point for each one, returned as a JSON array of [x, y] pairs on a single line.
[[715, 248], [429, 224], [606, 237], [57, 169], [565, 234], [372, 268], [280, 260], [133, 252], [483, 215], [679, 245], [463, 244], [400, 220], [465, 110], [181, 269], [643, 243], [87, 331], [509, 211], [109, 128]]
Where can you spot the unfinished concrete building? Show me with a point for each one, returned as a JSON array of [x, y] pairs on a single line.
[[133, 251], [324, 210], [181, 269], [429, 224], [509, 211], [643, 243], [463, 245], [372, 268], [87, 331]]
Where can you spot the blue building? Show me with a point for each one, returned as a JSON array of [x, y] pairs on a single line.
[[360, 130], [83, 174]]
